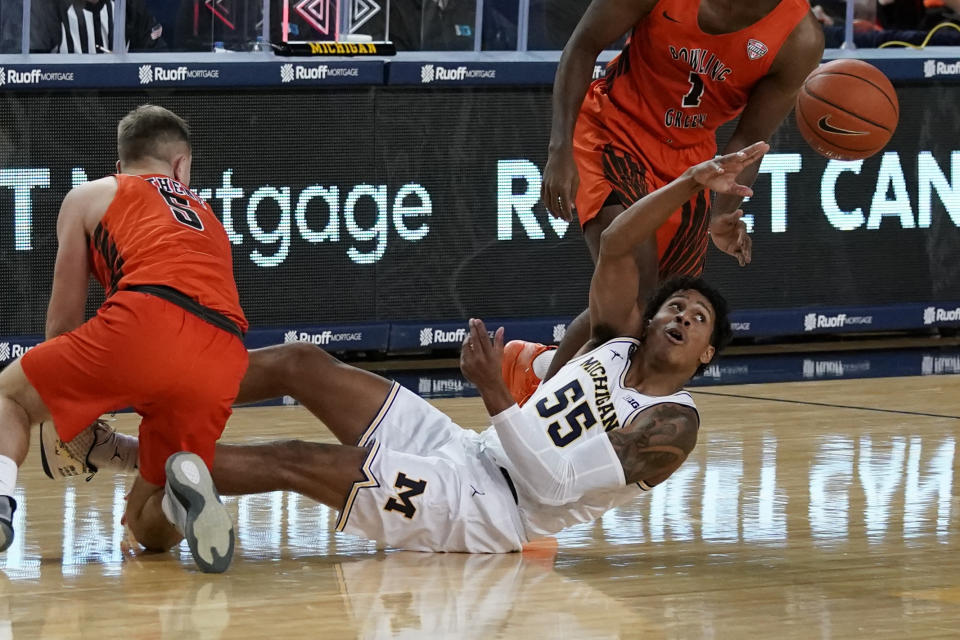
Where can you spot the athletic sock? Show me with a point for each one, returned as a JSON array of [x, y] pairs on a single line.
[[172, 511], [8, 476], [542, 363], [8, 481], [117, 453]]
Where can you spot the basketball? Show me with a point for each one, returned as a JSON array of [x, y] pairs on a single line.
[[847, 109]]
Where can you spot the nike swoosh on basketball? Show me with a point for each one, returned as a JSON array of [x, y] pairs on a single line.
[[669, 18], [824, 124]]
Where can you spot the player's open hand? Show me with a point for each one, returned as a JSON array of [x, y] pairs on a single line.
[[560, 184], [729, 234], [720, 174], [481, 358]]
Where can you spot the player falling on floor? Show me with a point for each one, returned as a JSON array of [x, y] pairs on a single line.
[[167, 340], [613, 423], [688, 68]]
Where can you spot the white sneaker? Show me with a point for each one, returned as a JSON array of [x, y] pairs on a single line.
[[192, 504], [98, 447]]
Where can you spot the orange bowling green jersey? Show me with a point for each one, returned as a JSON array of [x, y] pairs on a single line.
[[158, 232], [673, 85]]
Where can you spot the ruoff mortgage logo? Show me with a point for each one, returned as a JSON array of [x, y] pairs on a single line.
[[834, 368], [430, 336], [440, 386], [932, 68], [33, 76], [435, 73], [149, 74], [322, 338], [940, 365], [932, 315], [813, 321], [290, 72], [12, 350], [717, 372], [559, 330]]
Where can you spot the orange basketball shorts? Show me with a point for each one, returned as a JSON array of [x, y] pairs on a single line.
[[611, 175], [180, 373]]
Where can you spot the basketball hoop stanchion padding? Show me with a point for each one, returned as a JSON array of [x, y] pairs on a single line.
[[334, 49]]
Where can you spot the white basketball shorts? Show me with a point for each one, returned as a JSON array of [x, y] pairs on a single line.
[[428, 486]]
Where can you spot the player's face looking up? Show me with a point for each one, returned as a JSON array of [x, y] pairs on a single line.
[[680, 331]]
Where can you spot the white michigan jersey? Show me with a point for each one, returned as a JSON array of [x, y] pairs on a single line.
[[584, 400]]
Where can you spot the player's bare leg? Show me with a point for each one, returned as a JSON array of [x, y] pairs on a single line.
[[20, 408], [145, 517], [346, 399], [578, 332], [323, 472]]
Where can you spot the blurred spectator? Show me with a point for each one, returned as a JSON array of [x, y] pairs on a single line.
[[892, 15], [553, 21], [448, 25], [880, 21], [86, 26], [406, 24], [900, 14], [829, 12], [11, 21], [500, 18], [937, 11]]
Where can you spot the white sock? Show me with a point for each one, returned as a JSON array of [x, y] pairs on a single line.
[[542, 362], [8, 476], [170, 510]]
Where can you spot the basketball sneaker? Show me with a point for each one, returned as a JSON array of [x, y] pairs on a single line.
[[192, 504], [97, 447], [518, 373], [7, 508]]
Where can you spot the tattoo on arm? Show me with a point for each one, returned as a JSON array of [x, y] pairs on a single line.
[[656, 443]]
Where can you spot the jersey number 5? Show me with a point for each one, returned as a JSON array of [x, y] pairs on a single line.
[[577, 419], [179, 205], [692, 99], [180, 208]]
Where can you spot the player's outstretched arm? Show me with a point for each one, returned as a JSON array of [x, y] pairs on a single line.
[[614, 312], [541, 469], [603, 22], [657, 442], [771, 100]]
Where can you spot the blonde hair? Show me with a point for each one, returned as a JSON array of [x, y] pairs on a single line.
[[149, 131]]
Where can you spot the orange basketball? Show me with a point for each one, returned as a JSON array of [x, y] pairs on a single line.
[[847, 109]]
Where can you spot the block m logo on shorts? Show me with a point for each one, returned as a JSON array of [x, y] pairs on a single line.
[[408, 489]]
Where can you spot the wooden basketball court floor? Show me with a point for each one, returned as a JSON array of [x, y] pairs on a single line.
[[794, 518]]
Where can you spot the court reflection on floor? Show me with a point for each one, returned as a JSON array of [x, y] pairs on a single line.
[[798, 521], [880, 488]]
